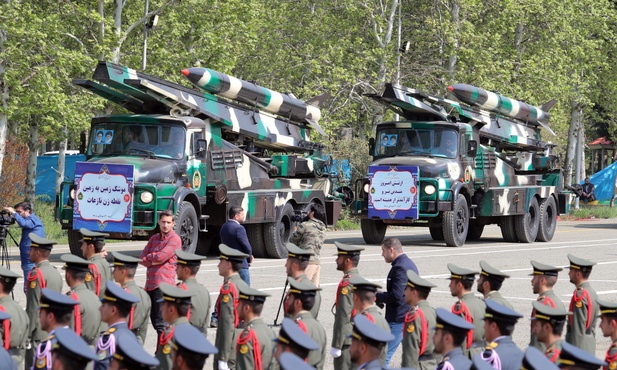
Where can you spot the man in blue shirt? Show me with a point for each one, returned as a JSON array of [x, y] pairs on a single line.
[[233, 234], [394, 296]]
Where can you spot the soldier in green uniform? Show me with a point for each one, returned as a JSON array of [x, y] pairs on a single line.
[[190, 348], [87, 320], [186, 271], [310, 236], [547, 325], [367, 343], [226, 305], [43, 275], [124, 271], [5, 358], [16, 330], [490, 282], [469, 307], [130, 355], [297, 261], [298, 303], [543, 280], [175, 307], [254, 347], [608, 325], [418, 326], [293, 339], [70, 352], [347, 259], [92, 246], [581, 328]]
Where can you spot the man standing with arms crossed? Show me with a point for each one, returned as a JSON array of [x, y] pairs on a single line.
[[544, 278], [581, 329]]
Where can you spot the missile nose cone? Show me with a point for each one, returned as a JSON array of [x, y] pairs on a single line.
[[185, 72], [450, 88]]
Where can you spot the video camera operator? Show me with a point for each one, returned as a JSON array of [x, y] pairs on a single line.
[[29, 223], [310, 235]]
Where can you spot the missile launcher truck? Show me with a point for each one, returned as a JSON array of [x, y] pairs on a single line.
[[456, 167], [200, 152]]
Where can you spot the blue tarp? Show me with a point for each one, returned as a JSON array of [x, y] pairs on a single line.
[[46, 173], [604, 182]]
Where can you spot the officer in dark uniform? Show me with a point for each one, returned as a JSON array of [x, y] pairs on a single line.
[[450, 333], [490, 282], [188, 266], [499, 324], [130, 355], [573, 358], [581, 328], [297, 261], [292, 339], [70, 351], [367, 343], [478, 363], [190, 348], [534, 359], [544, 278], [608, 325], [92, 245], [547, 325], [176, 305], [16, 330], [289, 361]]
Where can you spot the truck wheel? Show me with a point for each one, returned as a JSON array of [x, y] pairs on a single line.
[[507, 229], [475, 231], [456, 223], [187, 227], [436, 233], [74, 244], [373, 231], [548, 220], [277, 234], [526, 225], [255, 233]]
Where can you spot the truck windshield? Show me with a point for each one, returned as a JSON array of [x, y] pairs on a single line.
[[164, 141], [421, 141]]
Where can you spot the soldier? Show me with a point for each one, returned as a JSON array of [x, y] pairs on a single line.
[[450, 333], [544, 278], [289, 361], [188, 266], [124, 271], [93, 246], [14, 332], [581, 328], [190, 349], [347, 259], [226, 305], [364, 304], [5, 358], [419, 321], [130, 355], [293, 339], [70, 352], [573, 358], [254, 347], [547, 325], [490, 282], [499, 324], [368, 341], [533, 359], [175, 307], [43, 275], [87, 318], [310, 236], [297, 261], [298, 302], [478, 363], [56, 311], [608, 325], [469, 307], [115, 309]]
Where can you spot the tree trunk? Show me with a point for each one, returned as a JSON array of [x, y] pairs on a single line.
[[455, 10], [61, 159], [31, 171], [576, 115], [4, 100]]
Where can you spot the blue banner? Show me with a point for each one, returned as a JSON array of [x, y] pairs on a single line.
[[394, 192]]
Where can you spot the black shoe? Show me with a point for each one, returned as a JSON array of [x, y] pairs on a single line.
[[214, 322]]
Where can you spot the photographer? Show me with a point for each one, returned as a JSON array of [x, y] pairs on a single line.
[[310, 235], [30, 223]]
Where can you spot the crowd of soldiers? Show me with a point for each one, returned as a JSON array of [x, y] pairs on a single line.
[[102, 322]]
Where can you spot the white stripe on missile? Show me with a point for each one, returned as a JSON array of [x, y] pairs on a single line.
[[492, 101]]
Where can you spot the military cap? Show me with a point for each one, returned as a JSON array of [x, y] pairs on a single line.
[[491, 272], [477, 363], [533, 359], [115, 294], [607, 308], [416, 282], [92, 236], [548, 313], [38, 242], [56, 300], [131, 353], [576, 357], [448, 321], [189, 338], [189, 259], [498, 312], [290, 361], [8, 275], [74, 346], [580, 263], [294, 251], [228, 253], [250, 294], [461, 273], [292, 335], [173, 294], [75, 263], [347, 250], [360, 283], [302, 287], [542, 269], [366, 331], [123, 260]]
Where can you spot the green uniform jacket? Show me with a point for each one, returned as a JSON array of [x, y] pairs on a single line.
[[226, 329], [413, 330], [141, 313], [497, 297], [581, 331], [53, 280], [89, 305], [317, 305], [546, 298], [553, 351], [316, 331], [104, 272], [200, 304], [163, 353], [476, 308], [18, 329], [342, 319], [611, 356], [245, 348], [377, 318]]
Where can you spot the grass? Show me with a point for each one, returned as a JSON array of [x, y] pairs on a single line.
[[592, 212]]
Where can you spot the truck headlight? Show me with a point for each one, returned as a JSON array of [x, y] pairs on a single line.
[[146, 197], [429, 189], [366, 187], [72, 193]]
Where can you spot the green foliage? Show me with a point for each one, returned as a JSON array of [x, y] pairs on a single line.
[[347, 221], [17, 157], [594, 212]]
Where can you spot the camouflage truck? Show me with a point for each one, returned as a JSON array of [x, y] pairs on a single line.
[[456, 167], [199, 152]]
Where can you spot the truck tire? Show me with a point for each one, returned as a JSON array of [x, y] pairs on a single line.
[[548, 220], [475, 231], [277, 234], [526, 225], [373, 231], [74, 244], [255, 233], [187, 227], [436, 233], [507, 229], [456, 223]]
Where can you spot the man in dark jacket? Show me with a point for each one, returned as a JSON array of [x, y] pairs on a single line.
[[233, 234]]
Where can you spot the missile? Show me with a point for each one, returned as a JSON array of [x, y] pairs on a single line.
[[246, 92]]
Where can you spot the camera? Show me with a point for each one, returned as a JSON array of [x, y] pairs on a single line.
[[299, 216], [6, 218]]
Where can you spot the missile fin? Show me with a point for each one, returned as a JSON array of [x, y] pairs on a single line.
[[547, 128], [318, 100], [316, 126], [548, 105]]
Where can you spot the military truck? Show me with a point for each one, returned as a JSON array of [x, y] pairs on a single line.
[[199, 152], [456, 167]]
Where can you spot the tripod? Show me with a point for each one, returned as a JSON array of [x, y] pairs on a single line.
[[278, 312], [4, 250]]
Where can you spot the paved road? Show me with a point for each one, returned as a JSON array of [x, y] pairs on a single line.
[[595, 240]]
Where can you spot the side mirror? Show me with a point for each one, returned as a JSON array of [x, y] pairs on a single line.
[[371, 146], [472, 148], [201, 149]]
